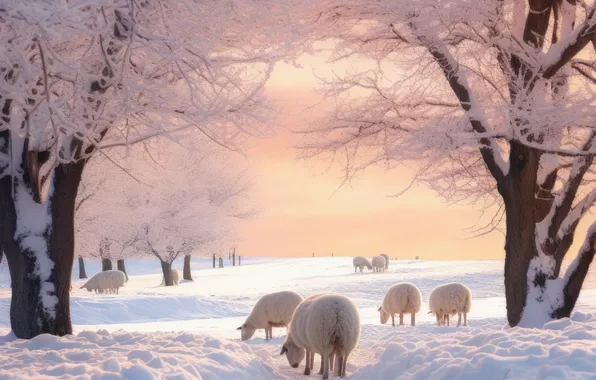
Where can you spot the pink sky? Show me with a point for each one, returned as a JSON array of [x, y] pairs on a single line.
[[299, 218]]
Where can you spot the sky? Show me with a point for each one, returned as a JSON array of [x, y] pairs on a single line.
[[303, 214]]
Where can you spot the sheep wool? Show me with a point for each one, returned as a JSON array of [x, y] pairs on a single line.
[[450, 299], [361, 262], [386, 260], [108, 281], [271, 310], [402, 298], [378, 263], [333, 327]]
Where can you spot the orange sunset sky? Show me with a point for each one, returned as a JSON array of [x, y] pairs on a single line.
[[301, 217]]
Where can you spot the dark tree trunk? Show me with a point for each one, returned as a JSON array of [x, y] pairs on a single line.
[[234, 259], [28, 316], [239, 260], [121, 267], [221, 262], [106, 264], [166, 268], [186, 271], [82, 272], [214, 260]]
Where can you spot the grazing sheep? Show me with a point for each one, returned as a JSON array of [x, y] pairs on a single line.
[[296, 342], [271, 310], [175, 278], [361, 262], [378, 263], [450, 299], [331, 328], [107, 281], [386, 260], [402, 298]]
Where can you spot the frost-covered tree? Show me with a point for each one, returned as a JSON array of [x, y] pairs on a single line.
[[492, 102], [77, 78]]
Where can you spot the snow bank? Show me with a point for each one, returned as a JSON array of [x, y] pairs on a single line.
[[564, 349], [124, 355]]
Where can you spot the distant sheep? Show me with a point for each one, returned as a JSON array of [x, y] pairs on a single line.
[[175, 278], [361, 262], [450, 299], [106, 282], [386, 260], [402, 298], [378, 263], [271, 310], [331, 328]]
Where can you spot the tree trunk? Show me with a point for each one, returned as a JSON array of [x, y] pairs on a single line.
[[214, 260], [234, 259], [166, 268], [106, 264], [82, 272], [186, 271], [121, 267], [221, 262], [40, 303]]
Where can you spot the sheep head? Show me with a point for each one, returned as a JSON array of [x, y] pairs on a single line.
[[384, 316], [294, 354], [246, 331]]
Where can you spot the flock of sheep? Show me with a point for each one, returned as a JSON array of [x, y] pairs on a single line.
[[379, 263], [329, 324]]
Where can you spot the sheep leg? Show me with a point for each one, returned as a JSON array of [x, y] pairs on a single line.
[[447, 317], [413, 319], [344, 361], [338, 360], [438, 320], [458, 319], [322, 365], [270, 331], [325, 359], [331, 358], [393, 320], [465, 319], [312, 359], [401, 319], [307, 366], [267, 333]]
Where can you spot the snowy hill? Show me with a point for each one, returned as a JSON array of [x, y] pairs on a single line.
[[189, 331]]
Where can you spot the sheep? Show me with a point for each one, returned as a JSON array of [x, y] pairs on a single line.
[[402, 298], [386, 260], [295, 347], [361, 262], [271, 310], [331, 327], [378, 263], [450, 299], [175, 278], [107, 281]]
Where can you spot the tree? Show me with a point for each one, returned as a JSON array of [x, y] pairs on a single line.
[[78, 79], [491, 102]]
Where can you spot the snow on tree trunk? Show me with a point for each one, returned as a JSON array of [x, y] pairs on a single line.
[[122, 267], [82, 272], [167, 273], [38, 240], [186, 274], [106, 264]]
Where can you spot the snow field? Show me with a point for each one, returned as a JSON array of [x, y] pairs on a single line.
[[189, 331]]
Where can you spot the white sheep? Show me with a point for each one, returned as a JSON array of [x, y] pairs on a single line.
[[361, 262], [386, 260], [299, 345], [175, 278], [107, 281], [402, 298], [331, 328], [378, 263], [271, 310], [450, 299]]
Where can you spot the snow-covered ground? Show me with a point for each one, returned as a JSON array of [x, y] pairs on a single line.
[[189, 331]]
